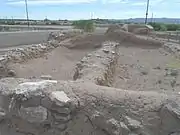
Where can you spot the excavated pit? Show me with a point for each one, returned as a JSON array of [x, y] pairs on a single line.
[[89, 104], [146, 69]]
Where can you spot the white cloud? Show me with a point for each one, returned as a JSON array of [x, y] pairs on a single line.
[[54, 2], [114, 1], [48, 2], [139, 4]]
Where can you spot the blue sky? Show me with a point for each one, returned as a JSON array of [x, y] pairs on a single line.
[[84, 9]]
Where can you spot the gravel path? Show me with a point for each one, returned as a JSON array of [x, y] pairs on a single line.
[[146, 69], [60, 64]]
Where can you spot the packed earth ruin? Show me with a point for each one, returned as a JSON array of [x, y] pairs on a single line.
[[119, 82]]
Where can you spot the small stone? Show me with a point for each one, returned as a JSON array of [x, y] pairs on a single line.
[[60, 126], [89, 55], [2, 114], [97, 55], [31, 102], [144, 72], [132, 124], [173, 83], [34, 114], [170, 115], [84, 60], [113, 127], [46, 102], [46, 77], [113, 52], [61, 118], [60, 98], [159, 82], [11, 73], [2, 58], [158, 67], [174, 72], [125, 130], [105, 50], [61, 110]]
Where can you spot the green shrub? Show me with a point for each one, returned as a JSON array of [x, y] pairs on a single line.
[[163, 27], [86, 25]]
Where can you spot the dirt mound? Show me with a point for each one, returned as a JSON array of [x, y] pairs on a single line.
[[113, 28], [141, 31], [84, 41], [127, 37]]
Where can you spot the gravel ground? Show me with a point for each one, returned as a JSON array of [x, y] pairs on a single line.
[[60, 64], [147, 69]]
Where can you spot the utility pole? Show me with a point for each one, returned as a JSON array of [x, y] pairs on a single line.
[[27, 14], [147, 10]]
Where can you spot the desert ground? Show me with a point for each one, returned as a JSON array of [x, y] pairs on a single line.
[[102, 83]]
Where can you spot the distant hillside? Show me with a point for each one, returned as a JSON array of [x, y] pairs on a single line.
[[158, 20]]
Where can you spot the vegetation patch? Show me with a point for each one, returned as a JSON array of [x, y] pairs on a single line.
[[86, 25], [165, 27]]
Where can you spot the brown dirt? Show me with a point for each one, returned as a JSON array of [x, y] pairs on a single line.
[[127, 37], [146, 69], [60, 64], [85, 41]]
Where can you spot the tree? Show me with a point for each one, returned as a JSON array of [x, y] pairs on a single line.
[[86, 25]]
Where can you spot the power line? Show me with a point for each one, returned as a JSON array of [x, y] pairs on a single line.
[[147, 10]]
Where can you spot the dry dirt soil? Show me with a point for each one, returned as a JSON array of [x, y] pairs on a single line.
[[146, 69], [60, 64]]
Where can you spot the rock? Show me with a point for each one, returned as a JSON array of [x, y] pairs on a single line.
[[170, 116], [11, 73], [2, 114], [61, 110], [113, 127], [32, 102], [60, 126], [46, 77], [132, 124], [46, 102], [97, 55], [62, 118], [89, 55], [105, 50], [172, 72], [124, 129], [34, 114], [113, 52], [60, 98], [29, 89], [144, 72], [173, 83], [158, 67], [176, 133], [2, 59]]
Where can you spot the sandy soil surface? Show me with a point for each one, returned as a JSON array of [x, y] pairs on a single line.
[[146, 69], [60, 64]]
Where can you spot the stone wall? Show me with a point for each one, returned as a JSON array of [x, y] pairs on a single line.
[[122, 36], [173, 49], [99, 66], [33, 107], [78, 108], [30, 52]]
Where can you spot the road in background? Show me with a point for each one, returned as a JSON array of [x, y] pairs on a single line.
[[9, 39]]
